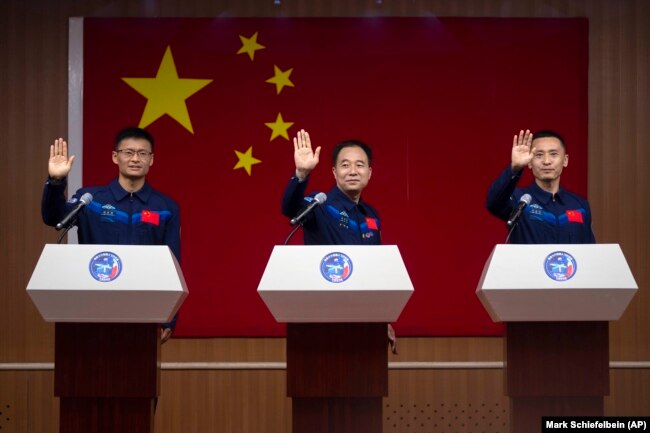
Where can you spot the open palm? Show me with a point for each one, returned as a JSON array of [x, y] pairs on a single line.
[[59, 164], [305, 158], [522, 153]]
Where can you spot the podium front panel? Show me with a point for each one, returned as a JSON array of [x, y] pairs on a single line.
[[107, 360], [548, 359], [337, 360], [556, 283]]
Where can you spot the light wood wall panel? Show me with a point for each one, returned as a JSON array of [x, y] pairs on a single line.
[[419, 401], [26, 402], [33, 111], [13, 402], [626, 386], [195, 401], [472, 401]]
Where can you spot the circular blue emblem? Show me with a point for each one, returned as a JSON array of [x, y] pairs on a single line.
[[560, 266], [105, 266], [336, 267]]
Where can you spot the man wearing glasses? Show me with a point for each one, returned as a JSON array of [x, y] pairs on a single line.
[[127, 211]]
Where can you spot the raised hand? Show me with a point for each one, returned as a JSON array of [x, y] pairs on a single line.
[[522, 151], [304, 157], [59, 164]]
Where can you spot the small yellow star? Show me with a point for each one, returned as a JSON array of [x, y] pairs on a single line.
[[279, 127], [249, 45], [280, 78], [166, 94], [246, 160]]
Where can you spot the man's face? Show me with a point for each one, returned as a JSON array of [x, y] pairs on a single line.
[[133, 157], [549, 159], [352, 171]]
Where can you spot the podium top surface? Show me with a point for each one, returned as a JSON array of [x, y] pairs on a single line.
[[335, 283], [107, 283], [557, 265], [556, 282]]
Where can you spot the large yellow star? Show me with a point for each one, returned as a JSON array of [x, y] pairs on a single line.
[[249, 45], [166, 94], [279, 127], [246, 160], [280, 78]]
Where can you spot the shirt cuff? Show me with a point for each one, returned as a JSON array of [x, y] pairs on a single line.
[[57, 182]]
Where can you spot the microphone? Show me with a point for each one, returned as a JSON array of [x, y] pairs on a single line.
[[83, 201], [523, 202], [318, 200]]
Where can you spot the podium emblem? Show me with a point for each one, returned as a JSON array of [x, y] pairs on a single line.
[[336, 267], [105, 266], [560, 266]]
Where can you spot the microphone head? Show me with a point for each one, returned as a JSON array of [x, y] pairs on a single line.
[[86, 198], [320, 197], [526, 198]]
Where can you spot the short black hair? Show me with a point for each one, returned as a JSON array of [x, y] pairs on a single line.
[[133, 132], [543, 133], [351, 143]]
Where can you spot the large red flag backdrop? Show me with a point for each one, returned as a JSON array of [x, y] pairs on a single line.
[[439, 99]]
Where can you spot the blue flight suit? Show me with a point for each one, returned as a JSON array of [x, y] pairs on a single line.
[[117, 217], [338, 221], [561, 218]]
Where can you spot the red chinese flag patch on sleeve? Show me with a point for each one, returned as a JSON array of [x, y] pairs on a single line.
[[574, 216], [150, 217], [372, 223]]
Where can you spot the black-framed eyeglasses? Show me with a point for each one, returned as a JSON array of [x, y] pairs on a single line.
[[130, 153]]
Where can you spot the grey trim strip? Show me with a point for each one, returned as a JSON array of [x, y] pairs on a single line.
[[473, 365]]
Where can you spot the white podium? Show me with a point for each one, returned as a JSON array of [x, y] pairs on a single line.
[[336, 300], [108, 302], [295, 290], [556, 301], [66, 287]]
